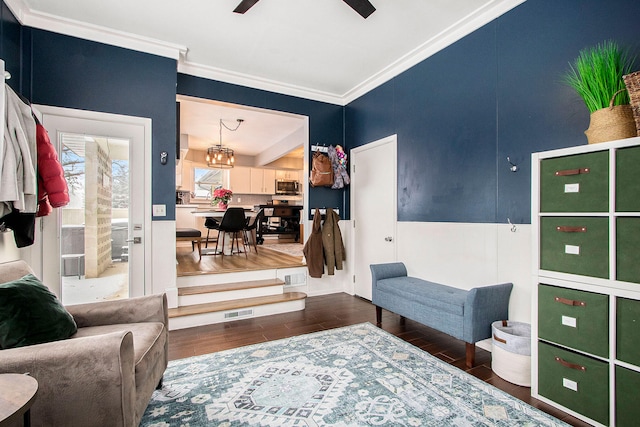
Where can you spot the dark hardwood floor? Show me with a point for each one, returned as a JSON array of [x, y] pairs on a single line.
[[334, 311]]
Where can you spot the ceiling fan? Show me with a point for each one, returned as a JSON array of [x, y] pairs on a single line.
[[363, 7]]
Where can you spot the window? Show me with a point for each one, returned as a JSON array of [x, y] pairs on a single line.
[[205, 181]]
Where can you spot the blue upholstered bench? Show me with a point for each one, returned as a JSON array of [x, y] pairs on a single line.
[[463, 314]]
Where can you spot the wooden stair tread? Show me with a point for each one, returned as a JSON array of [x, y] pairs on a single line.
[[235, 304], [224, 287]]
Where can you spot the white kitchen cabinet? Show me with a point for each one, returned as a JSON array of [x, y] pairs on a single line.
[[263, 181], [288, 174], [240, 180]]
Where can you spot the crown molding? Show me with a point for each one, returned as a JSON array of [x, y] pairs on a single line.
[[445, 38], [254, 82], [96, 33]]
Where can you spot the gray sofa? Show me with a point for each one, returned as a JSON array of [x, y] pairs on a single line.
[[103, 375], [463, 314]]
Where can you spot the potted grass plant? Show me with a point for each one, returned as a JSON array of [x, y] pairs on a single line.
[[596, 75]]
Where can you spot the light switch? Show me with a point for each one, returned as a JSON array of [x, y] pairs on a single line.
[[159, 210]]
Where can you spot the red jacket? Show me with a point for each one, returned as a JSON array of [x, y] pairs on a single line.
[[52, 187]]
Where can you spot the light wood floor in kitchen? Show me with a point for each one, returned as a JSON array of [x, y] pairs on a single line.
[[334, 311], [189, 264]]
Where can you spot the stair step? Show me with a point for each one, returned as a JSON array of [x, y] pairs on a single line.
[[235, 304], [225, 287]]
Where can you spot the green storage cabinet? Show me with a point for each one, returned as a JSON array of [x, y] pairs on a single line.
[[577, 382], [627, 407], [628, 249], [577, 245], [628, 179], [628, 331], [578, 183], [574, 318]]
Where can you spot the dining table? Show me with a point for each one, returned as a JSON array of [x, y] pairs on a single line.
[[218, 214]]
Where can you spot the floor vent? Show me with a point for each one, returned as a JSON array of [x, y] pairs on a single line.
[[239, 314], [295, 279]]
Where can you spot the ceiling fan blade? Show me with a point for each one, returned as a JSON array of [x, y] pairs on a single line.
[[244, 6], [363, 7]]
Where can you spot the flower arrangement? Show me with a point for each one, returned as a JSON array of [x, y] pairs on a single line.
[[221, 196]]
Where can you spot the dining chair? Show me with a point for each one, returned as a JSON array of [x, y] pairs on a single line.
[[233, 222], [210, 224], [252, 224]]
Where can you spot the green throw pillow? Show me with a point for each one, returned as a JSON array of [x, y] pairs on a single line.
[[31, 314]]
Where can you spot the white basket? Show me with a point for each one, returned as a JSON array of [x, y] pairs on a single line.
[[511, 351]]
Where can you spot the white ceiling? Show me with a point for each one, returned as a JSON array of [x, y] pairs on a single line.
[[260, 131], [316, 49]]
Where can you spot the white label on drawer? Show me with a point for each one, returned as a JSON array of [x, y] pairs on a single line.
[[572, 250], [572, 188], [569, 321], [571, 385]]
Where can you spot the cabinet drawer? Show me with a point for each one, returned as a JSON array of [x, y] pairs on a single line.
[[575, 381], [578, 183], [575, 319], [627, 408], [578, 245], [627, 178], [628, 249], [628, 330]]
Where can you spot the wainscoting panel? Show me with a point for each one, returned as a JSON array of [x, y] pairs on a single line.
[[466, 255]]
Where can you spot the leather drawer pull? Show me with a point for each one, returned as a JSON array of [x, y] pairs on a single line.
[[571, 302], [569, 172], [567, 229], [570, 365], [497, 338]]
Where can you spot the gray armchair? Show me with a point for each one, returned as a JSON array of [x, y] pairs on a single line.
[[104, 374]]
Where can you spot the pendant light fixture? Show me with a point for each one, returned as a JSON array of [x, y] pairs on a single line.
[[219, 156]]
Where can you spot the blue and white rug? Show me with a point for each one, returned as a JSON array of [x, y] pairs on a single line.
[[354, 376]]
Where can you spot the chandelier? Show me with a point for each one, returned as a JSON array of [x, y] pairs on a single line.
[[219, 156]]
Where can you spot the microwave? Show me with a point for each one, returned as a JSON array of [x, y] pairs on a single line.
[[287, 186]]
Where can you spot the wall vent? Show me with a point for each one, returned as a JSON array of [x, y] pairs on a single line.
[[239, 314], [295, 279]]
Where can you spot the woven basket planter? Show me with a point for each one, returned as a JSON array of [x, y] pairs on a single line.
[[611, 123], [632, 82]]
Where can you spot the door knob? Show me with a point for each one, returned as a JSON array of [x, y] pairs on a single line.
[[388, 239], [135, 240]]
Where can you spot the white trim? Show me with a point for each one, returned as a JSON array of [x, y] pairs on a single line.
[[96, 33], [214, 73], [452, 34]]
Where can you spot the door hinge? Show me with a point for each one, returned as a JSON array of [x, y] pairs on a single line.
[[354, 278], [353, 167], [354, 223]]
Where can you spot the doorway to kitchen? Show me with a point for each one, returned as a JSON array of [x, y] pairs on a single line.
[[269, 147]]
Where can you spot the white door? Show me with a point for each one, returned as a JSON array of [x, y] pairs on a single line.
[[98, 247], [373, 208]]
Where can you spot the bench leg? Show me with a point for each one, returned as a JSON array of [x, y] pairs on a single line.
[[471, 355], [378, 315]]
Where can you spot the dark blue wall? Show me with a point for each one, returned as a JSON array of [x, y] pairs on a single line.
[[75, 73], [325, 120], [493, 94], [10, 38]]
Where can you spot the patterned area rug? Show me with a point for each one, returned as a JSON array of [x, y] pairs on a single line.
[[354, 376]]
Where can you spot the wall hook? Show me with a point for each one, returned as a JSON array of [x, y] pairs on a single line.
[[514, 167], [513, 227]]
